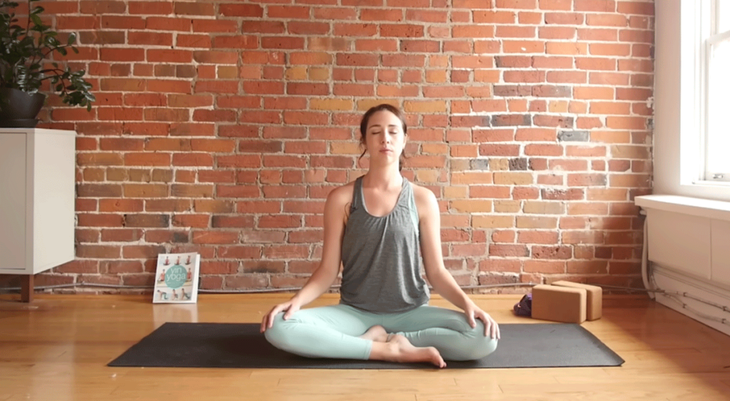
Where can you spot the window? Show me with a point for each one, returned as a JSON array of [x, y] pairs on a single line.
[[690, 37], [716, 56]]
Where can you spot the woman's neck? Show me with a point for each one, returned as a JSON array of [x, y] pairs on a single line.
[[383, 178]]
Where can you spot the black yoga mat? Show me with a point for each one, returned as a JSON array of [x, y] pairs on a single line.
[[240, 345]]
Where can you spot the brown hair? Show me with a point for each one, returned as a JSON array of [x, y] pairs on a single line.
[[366, 119]]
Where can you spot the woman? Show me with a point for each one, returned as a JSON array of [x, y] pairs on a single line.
[[374, 227]]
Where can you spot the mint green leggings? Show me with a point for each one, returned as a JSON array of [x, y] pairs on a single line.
[[332, 332]]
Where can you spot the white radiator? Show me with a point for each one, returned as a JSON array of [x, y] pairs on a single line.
[[688, 242]]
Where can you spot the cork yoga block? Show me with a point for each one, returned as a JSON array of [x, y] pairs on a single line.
[[594, 299], [559, 304]]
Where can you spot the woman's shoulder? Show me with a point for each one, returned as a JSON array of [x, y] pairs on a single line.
[[339, 200], [342, 193], [422, 193], [425, 199]]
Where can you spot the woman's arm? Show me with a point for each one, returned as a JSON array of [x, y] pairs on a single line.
[[329, 266], [430, 227], [440, 278]]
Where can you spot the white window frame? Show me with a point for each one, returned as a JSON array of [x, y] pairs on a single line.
[[678, 137], [709, 26]]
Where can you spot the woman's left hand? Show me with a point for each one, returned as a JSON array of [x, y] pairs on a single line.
[[491, 328]]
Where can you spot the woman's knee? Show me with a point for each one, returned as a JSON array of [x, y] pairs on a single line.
[[485, 346], [476, 348], [479, 344], [278, 334]]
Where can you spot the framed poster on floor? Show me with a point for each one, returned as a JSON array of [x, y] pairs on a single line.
[[176, 278]]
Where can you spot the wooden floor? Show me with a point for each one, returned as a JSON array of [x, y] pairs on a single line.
[[57, 349]]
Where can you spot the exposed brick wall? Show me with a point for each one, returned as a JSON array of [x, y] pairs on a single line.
[[221, 126]]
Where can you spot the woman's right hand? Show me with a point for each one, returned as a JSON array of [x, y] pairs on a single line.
[[288, 307]]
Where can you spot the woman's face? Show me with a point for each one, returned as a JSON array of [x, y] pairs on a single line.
[[384, 139]]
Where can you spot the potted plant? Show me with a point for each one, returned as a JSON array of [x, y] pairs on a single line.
[[26, 62]]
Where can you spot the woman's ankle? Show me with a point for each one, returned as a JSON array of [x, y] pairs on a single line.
[[399, 349]]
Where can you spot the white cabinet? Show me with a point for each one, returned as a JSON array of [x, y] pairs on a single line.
[[37, 199]]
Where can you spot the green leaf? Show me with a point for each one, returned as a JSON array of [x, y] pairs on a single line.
[[36, 19], [71, 39]]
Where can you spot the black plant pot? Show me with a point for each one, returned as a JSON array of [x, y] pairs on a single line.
[[19, 109]]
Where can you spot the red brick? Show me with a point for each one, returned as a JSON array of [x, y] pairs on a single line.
[[433, 16], [537, 237], [598, 34], [281, 42], [553, 32], [78, 266], [555, 4], [169, 24], [98, 251], [150, 7], [633, 7], [241, 10], [564, 18], [200, 41], [236, 42], [474, 31], [520, 4], [512, 31], [240, 252], [149, 38], [595, 5], [215, 237], [508, 250], [214, 25], [606, 20]]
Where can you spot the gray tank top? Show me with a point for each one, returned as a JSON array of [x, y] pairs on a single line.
[[380, 256]]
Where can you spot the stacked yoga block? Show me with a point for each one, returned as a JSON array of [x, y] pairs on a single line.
[[568, 302]]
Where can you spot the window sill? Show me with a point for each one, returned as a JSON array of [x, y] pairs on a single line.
[[712, 209]]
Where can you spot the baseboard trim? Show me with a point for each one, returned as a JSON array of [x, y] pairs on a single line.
[[673, 281]]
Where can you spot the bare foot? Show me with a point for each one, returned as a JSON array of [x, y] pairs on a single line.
[[404, 351], [376, 333]]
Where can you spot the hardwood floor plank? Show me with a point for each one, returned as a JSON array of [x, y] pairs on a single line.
[[538, 397], [644, 391], [489, 379], [368, 383], [699, 395]]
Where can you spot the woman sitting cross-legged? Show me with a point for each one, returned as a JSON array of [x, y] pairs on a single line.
[[375, 227]]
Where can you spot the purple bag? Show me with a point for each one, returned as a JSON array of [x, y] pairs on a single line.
[[524, 307]]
